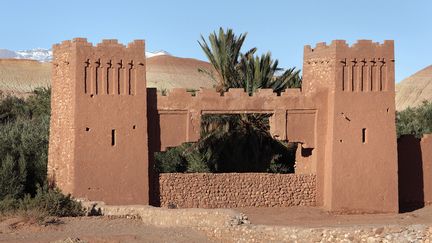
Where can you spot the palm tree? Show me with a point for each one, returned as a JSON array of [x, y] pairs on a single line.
[[261, 72], [237, 70], [224, 53], [241, 142]]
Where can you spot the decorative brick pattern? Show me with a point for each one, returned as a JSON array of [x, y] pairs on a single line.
[[230, 190]]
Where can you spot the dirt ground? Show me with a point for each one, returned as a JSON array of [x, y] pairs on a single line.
[[315, 217], [105, 229], [96, 229]]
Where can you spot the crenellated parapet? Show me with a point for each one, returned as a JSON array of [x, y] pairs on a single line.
[[365, 66], [109, 68]]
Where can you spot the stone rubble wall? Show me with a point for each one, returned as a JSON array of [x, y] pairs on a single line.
[[231, 190]]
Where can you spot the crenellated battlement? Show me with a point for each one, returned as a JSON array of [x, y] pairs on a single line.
[[342, 44], [108, 68], [365, 66], [82, 42]]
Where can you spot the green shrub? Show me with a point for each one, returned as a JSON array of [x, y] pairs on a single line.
[[12, 177], [24, 128], [284, 158], [47, 201], [8, 205], [171, 160], [183, 158], [23, 155], [415, 121], [53, 202], [232, 145]]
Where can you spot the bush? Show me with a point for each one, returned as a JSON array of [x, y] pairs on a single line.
[[46, 202], [24, 128], [230, 144], [53, 202], [415, 121], [183, 158], [171, 161]]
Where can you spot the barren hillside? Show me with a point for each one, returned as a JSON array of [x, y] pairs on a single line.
[[20, 76], [167, 72], [413, 90]]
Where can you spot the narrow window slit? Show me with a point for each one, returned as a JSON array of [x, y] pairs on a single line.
[[113, 137], [364, 135]]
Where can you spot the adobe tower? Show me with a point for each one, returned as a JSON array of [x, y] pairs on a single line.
[[98, 145], [360, 168]]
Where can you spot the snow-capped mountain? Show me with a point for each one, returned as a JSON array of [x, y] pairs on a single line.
[[39, 54], [45, 55], [156, 53]]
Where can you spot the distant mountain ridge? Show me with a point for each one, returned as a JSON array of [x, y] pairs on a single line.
[[45, 55], [21, 76], [38, 54]]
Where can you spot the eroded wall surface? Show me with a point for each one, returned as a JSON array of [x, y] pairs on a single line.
[[98, 144], [230, 190], [61, 166]]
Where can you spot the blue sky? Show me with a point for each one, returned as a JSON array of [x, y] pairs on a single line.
[[282, 27]]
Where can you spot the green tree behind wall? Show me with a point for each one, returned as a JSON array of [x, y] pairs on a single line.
[[415, 121]]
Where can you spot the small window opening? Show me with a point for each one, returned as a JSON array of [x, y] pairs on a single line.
[[113, 137], [134, 126], [306, 152], [388, 110], [87, 129], [364, 135]]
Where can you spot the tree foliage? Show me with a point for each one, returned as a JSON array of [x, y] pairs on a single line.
[[235, 69], [24, 128], [238, 142], [415, 121]]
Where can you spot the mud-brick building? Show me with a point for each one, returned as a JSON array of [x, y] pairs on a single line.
[[106, 126]]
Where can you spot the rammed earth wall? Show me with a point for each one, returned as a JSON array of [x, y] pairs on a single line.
[[229, 190]]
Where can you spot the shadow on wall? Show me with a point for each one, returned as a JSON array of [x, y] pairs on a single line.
[[410, 173], [154, 144]]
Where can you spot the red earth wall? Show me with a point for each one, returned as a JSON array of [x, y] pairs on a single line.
[[101, 148]]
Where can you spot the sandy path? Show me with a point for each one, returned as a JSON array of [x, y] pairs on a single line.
[[98, 229]]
